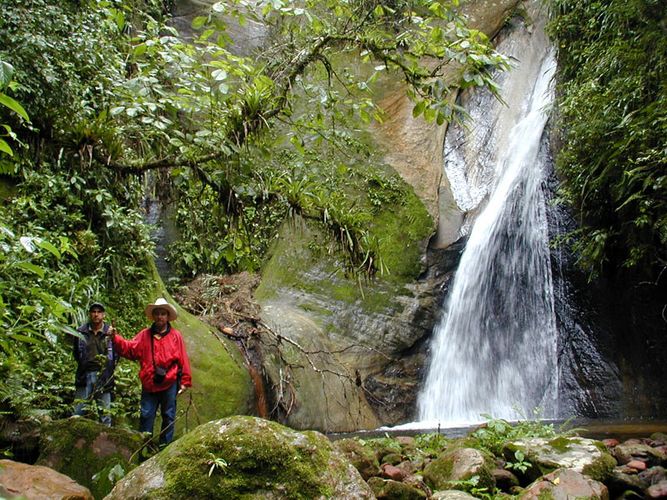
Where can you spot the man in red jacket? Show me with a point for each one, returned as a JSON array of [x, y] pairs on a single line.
[[164, 367]]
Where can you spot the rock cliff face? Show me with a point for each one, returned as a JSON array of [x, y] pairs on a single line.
[[371, 338]]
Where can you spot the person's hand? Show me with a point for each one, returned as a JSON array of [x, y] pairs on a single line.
[[112, 332], [181, 390]]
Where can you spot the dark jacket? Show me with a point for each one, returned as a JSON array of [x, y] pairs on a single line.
[[85, 353]]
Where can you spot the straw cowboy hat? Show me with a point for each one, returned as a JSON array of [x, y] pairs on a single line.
[[161, 303]]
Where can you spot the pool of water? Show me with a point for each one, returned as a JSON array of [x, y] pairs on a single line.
[[590, 428]]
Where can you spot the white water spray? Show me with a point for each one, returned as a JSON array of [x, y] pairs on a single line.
[[495, 350]]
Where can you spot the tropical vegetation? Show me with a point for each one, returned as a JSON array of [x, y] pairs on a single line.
[[612, 110]]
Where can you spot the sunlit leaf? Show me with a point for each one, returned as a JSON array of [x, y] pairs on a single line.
[[32, 268]]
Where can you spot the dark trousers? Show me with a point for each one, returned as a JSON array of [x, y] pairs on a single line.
[[85, 393], [166, 400]]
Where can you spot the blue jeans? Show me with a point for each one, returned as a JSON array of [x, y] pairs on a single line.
[[88, 392], [166, 400]]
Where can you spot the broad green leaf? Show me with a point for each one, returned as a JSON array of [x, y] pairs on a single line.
[[418, 109], [6, 72], [32, 268], [26, 339], [48, 247], [4, 147], [140, 49], [14, 106], [199, 21]]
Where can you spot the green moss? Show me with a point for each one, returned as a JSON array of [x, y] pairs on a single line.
[[7, 188], [362, 456], [436, 473], [545, 494], [386, 488], [259, 460], [86, 451], [600, 469], [322, 311], [402, 231], [561, 444], [294, 265]]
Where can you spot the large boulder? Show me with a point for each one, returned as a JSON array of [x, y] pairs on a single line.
[[563, 484], [390, 489], [89, 452], [19, 480], [361, 456], [587, 456], [453, 467], [245, 457]]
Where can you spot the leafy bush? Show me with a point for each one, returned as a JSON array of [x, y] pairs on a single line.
[[492, 435], [36, 362], [612, 110]]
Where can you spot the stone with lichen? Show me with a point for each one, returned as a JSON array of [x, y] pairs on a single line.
[[245, 457]]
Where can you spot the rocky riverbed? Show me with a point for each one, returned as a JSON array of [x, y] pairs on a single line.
[[248, 457]]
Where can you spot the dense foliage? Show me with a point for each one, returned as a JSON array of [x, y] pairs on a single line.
[[613, 113], [70, 234]]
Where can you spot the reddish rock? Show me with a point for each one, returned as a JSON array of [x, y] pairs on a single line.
[[36, 481], [610, 443], [658, 490], [392, 472], [637, 465], [626, 469]]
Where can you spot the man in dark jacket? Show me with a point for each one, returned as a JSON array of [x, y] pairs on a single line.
[[96, 361]]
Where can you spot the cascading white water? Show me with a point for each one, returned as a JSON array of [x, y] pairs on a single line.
[[495, 350]]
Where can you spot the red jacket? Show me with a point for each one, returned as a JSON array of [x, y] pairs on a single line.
[[169, 353]]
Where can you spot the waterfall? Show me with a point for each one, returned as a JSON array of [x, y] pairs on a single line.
[[494, 352]]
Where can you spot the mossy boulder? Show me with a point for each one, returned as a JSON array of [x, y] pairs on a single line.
[[245, 457], [89, 452], [383, 447], [395, 490], [587, 456], [451, 495], [360, 455], [459, 464]]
